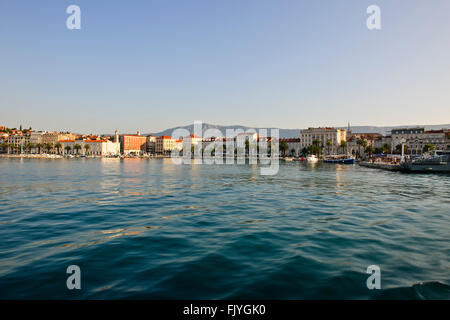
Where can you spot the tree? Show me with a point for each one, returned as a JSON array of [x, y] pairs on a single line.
[[315, 148], [364, 144], [386, 148], [87, 148], [343, 146], [428, 147], [359, 143], [68, 149], [305, 151], [77, 148], [284, 147], [329, 144], [398, 149], [29, 146], [39, 146], [48, 146], [58, 147], [370, 150], [4, 146]]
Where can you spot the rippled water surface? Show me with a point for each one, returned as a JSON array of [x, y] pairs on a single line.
[[152, 229]]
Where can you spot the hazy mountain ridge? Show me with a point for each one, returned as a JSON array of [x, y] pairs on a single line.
[[295, 133]]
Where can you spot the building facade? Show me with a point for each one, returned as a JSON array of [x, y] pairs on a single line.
[[54, 137], [133, 143], [415, 139], [164, 144], [336, 136], [90, 147], [352, 142], [151, 144]]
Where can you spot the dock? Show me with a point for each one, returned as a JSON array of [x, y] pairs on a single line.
[[381, 165]]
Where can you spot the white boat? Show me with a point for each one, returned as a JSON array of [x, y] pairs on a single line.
[[312, 158]]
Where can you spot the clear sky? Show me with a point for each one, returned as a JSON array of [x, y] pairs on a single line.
[[150, 65]]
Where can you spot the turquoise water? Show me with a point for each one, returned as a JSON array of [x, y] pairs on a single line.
[[152, 229]]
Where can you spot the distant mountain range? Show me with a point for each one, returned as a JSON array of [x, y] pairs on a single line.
[[295, 133]]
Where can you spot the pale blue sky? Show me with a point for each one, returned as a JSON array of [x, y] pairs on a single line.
[[150, 65]]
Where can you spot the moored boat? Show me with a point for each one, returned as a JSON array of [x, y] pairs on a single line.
[[435, 161], [312, 158], [343, 159]]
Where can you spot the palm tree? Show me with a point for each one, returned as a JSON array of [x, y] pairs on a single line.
[[343, 145], [364, 144], [315, 148], [68, 149], [4, 146], [386, 148], [29, 146], [284, 147], [87, 148], [77, 148], [247, 146], [329, 144], [58, 147], [398, 149], [359, 143], [11, 147], [39, 146], [428, 147], [48, 146], [370, 150], [305, 151]]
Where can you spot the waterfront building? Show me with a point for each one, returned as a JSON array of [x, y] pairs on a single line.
[[336, 136], [91, 147], [352, 141], [36, 137], [384, 140], [151, 144], [54, 137], [19, 139], [415, 139], [133, 143], [405, 134], [164, 144]]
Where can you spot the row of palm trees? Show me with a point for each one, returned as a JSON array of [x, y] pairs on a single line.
[[49, 147], [317, 147]]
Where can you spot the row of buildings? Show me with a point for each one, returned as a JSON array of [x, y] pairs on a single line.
[[335, 141], [330, 140]]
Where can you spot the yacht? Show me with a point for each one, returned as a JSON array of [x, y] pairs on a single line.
[[312, 158]]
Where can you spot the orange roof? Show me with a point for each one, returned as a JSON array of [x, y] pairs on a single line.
[[164, 137], [66, 141], [95, 140]]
